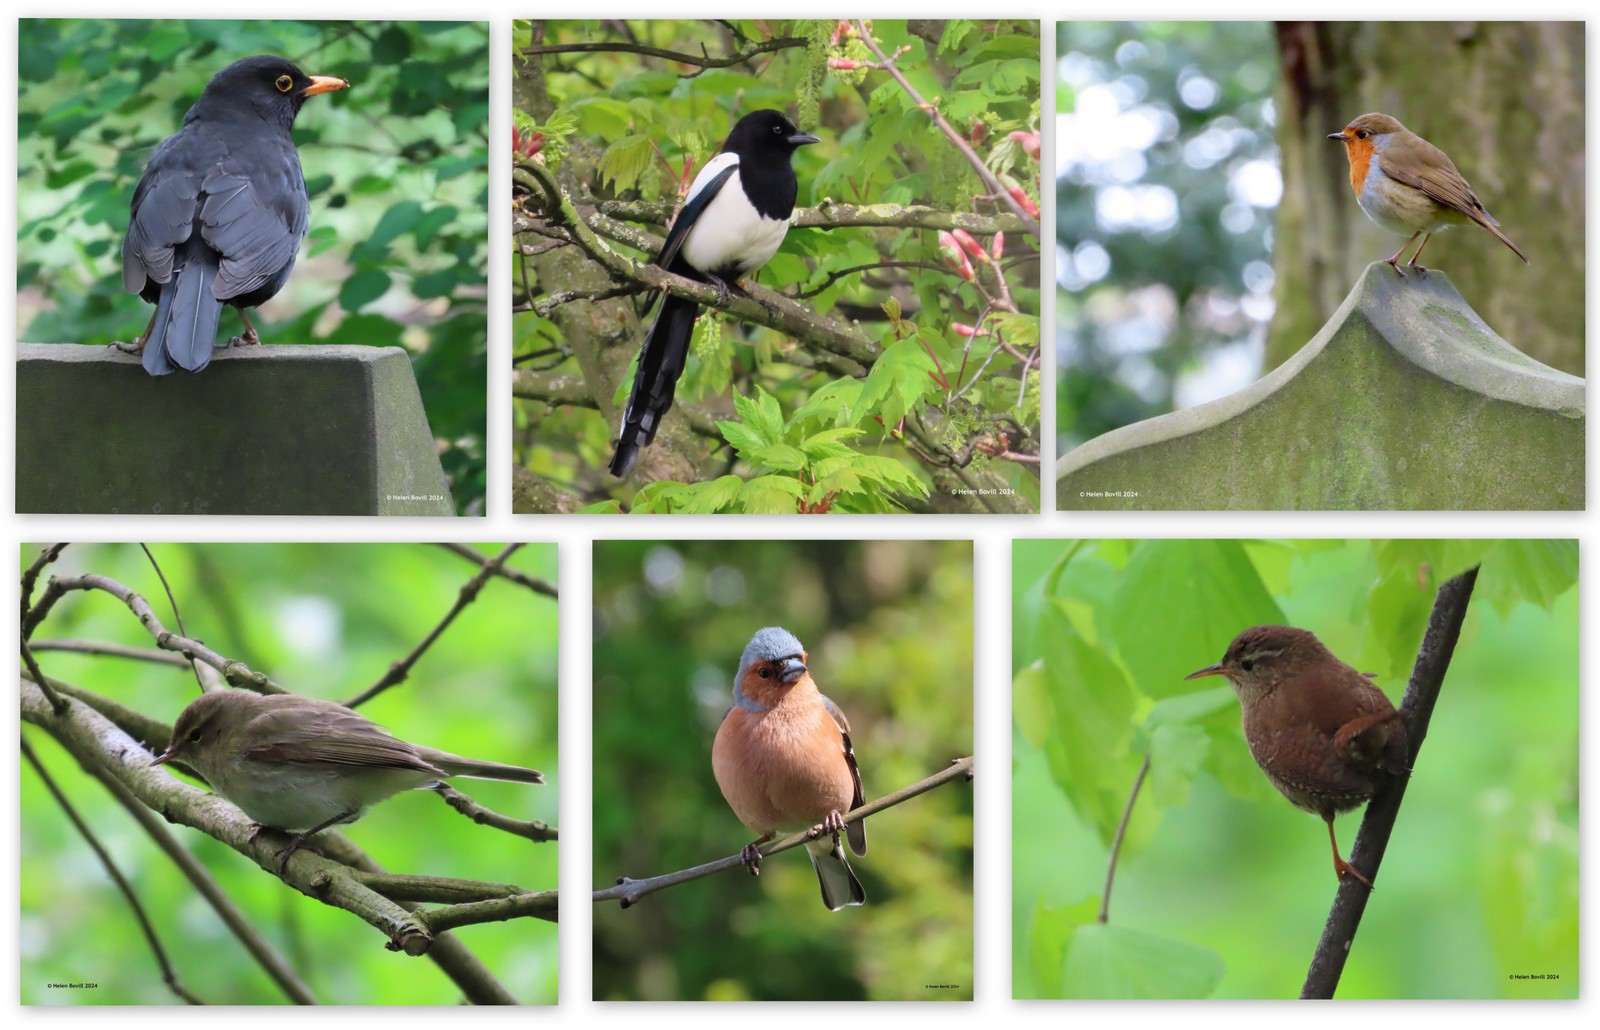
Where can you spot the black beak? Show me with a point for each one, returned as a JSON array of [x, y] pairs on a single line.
[[800, 139], [1340, 136]]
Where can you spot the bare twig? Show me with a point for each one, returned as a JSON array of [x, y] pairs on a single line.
[[533, 583], [533, 829], [994, 185], [469, 592], [1422, 693], [1116, 841], [702, 62], [630, 891]]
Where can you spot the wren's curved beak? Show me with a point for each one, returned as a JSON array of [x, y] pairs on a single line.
[[793, 669], [1210, 670], [323, 84]]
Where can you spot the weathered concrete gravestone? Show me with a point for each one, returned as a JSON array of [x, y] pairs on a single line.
[[1405, 400], [273, 430]]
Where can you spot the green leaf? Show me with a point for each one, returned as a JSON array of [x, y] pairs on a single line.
[[1048, 932], [741, 438], [779, 456], [899, 378], [710, 498], [1179, 604], [1104, 961], [771, 495], [363, 288], [1176, 753], [624, 162], [1536, 571]]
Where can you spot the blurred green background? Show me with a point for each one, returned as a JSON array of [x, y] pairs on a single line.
[[324, 620], [1166, 183], [1223, 886], [396, 168], [888, 626]]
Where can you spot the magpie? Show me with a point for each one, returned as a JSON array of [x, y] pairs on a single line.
[[732, 222]]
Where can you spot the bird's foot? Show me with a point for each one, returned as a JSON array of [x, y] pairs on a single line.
[[751, 857], [1394, 263], [724, 294], [136, 347], [248, 338], [283, 855], [1421, 269], [833, 825], [1343, 869]]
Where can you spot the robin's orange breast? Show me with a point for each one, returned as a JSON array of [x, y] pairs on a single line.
[[1359, 151]]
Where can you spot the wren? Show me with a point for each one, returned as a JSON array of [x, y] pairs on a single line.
[[1323, 734]]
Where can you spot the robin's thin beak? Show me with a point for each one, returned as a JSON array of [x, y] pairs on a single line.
[[1340, 136], [323, 84], [1210, 670]]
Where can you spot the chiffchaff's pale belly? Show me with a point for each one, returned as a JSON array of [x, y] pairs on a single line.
[[296, 796]]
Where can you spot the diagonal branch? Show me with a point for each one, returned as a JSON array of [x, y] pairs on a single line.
[[630, 891], [1427, 678]]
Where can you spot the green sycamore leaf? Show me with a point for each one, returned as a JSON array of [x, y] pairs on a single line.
[[1104, 961]]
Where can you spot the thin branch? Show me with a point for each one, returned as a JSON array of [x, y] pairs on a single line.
[[110, 650], [1422, 693], [1116, 842], [235, 672], [30, 576], [469, 592], [533, 583], [703, 62], [169, 976], [538, 904], [988, 178], [533, 829], [177, 616], [830, 214], [630, 891]]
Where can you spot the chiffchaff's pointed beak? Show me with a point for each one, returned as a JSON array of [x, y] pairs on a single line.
[[323, 84], [162, 758], [1210, 670]]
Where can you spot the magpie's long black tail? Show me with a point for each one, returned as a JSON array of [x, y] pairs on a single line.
[[185, 327], [660, 365]]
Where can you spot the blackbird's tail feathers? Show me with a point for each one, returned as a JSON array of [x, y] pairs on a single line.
[[661, 363], [186, 331]]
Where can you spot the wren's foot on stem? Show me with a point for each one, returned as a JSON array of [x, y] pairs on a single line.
[[1341, 867]]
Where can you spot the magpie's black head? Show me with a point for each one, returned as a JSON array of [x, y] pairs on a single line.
[[269, 87], [766, 132]]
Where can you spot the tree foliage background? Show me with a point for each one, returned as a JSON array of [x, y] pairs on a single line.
[[324, 620], [888, 625], [396, 168], [863, 394], [1223, 887]]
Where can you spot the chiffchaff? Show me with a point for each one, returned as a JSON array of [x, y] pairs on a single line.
[[299, 764]]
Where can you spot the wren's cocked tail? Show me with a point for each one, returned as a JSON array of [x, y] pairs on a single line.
[[1323, 734], [1409, 186]]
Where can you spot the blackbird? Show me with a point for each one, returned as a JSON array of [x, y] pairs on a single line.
[[220, 211]]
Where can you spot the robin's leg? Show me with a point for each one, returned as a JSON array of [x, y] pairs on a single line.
[[1394, 262], [1413, 262], [751, 855], [137, 346], [249, 337], [1340, 866]]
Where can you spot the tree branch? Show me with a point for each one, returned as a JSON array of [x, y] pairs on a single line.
[[469, 592], [833, 215], [533, 583], [702, 63], [630, 891], [1422, 693], [533, 829]]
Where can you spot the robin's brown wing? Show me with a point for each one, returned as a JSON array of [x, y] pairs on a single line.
[[1418, 163]]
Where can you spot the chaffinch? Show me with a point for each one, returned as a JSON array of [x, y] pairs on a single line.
[[783, 760]]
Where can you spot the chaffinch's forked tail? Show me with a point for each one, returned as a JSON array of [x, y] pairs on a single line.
[[784, 761]]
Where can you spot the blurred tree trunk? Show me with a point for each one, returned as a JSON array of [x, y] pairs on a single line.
[[1506, 101]]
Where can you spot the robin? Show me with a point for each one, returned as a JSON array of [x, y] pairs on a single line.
[[1409, 186], [220, 211]]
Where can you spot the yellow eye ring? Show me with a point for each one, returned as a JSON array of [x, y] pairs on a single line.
[[285, 83]]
